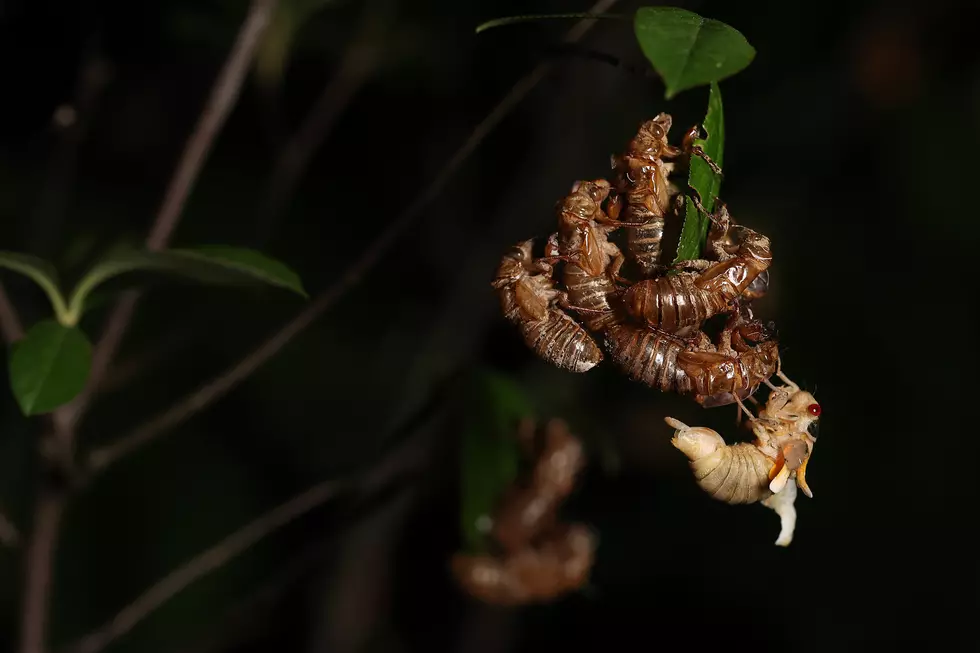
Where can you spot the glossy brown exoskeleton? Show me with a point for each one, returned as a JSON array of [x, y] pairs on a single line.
[[529, 299], [644, 190], [676, 301]]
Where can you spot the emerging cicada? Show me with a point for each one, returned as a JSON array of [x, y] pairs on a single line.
[[760, 471]]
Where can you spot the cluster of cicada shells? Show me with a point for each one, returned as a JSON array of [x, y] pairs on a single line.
[[535, 557], [598, 287]]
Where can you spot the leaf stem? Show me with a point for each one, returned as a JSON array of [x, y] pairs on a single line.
[[97, 275]]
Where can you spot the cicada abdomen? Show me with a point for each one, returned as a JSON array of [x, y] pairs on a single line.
[[737, 473]]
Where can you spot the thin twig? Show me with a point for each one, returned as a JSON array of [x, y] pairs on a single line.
[[225, 382], [224, 94], [38, 571], [400, 461], [203, 564], [10, 325], [223, 97], [358, 62]]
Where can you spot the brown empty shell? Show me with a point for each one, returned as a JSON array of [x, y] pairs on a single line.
[[559, 564]]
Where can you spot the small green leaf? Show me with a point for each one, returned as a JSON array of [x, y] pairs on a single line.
[[490, 450], [49, 367], [40, 272], [702, 179], [688, 50]]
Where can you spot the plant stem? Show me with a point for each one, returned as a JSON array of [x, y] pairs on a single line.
[[203, 564]]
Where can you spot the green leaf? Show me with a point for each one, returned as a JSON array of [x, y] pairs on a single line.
[[688, 50], [702, 179], [216, 264], [40, 272], [49, 366], [490, 450], [243, 262]]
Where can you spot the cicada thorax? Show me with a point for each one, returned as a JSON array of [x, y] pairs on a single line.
[[528, 299], [592, 260]]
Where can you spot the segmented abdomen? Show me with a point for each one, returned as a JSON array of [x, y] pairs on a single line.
[[562, 341], [647, 200], [648, 356], [672, 302], [734, 474], [591, 292], [643, 244]]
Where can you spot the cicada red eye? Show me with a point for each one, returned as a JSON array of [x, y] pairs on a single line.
[[814, 409]]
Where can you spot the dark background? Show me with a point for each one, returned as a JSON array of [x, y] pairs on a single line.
[[851, 143]]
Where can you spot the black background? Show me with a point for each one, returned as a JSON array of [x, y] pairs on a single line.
[[852, 143]]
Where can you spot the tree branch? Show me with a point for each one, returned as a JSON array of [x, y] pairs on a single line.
[[225, 382], [359, 60], [38, 571]]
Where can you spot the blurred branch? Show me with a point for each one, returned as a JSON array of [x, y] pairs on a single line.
[[50, 503], [10, 325], [225, 382], [38, 570], [398, 462], [72, 121], [358, 62], [141, 363], [9, 535], [203, 564]]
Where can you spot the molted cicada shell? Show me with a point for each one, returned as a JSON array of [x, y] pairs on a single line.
[[533, 557]]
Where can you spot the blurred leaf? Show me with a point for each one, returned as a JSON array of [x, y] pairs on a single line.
[[702, 179], [279, 39], [688, 50], [49, 366], [490, 450], [40, 272], [530, 18]]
